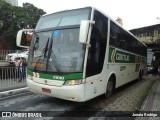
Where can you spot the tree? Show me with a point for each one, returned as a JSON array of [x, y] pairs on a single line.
[[16, 18], [33, 13]]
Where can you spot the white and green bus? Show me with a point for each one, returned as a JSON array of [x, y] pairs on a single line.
[[80, 54]]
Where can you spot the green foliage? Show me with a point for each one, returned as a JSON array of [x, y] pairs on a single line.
[[16, 18]]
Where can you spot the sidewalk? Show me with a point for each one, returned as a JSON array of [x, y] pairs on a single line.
[[13, 92], [152, 103]]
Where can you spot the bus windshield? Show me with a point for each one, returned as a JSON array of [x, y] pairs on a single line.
[[56, 51], [64, 18]]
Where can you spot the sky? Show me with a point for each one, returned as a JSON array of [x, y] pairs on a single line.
[[134, 13]]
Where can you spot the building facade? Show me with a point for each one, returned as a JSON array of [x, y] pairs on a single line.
[[12, 2], [150, 35]]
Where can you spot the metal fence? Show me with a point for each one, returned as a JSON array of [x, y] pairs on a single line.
[[4, 53], [9, 75], [12, 77]]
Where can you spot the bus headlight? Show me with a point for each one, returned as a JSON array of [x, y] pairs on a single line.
[[75, 82]]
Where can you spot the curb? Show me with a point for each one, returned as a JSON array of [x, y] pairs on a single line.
[[12, 92]]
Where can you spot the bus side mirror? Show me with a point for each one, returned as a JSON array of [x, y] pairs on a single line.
[[84, 30], [24, 38]]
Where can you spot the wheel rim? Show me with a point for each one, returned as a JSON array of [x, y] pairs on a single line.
[[110, 87]]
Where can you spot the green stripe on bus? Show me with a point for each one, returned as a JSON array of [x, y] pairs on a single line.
[[56, 76], [117, 56]]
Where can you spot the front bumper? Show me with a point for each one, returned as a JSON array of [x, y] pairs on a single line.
[[72, 93]]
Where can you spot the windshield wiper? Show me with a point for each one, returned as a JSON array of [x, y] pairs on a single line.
[[46, 48], [35, 46], [50, 53], [43, 53]]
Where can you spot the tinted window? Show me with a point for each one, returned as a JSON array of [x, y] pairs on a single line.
[[98, 43], [124, 40], [65, 18], [116, 37]]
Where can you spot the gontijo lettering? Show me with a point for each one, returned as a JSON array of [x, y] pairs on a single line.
[[122, 57]]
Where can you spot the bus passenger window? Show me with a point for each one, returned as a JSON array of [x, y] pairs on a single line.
[[98, 43]]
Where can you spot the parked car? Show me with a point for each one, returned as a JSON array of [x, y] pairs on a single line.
[[151, 70], [11, 57], [159, 70]]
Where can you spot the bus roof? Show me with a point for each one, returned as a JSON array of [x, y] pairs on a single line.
[[117, 24], [64, 11], [94, 8]]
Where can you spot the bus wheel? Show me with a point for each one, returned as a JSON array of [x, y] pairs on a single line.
[[140, 76], [110, 88]]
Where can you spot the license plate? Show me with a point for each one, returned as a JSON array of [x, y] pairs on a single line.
[[46, 90]]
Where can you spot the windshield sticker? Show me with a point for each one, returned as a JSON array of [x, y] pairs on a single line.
[[38, 64], [55, 33]]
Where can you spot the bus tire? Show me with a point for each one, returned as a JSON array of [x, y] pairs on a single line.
[[109, 88], [140, 76]]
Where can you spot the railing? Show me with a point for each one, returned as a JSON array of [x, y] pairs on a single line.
[[12, 78], [4, 53], [9, 75]]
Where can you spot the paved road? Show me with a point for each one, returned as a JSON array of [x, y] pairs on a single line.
[[127, 98], [151, 106]]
